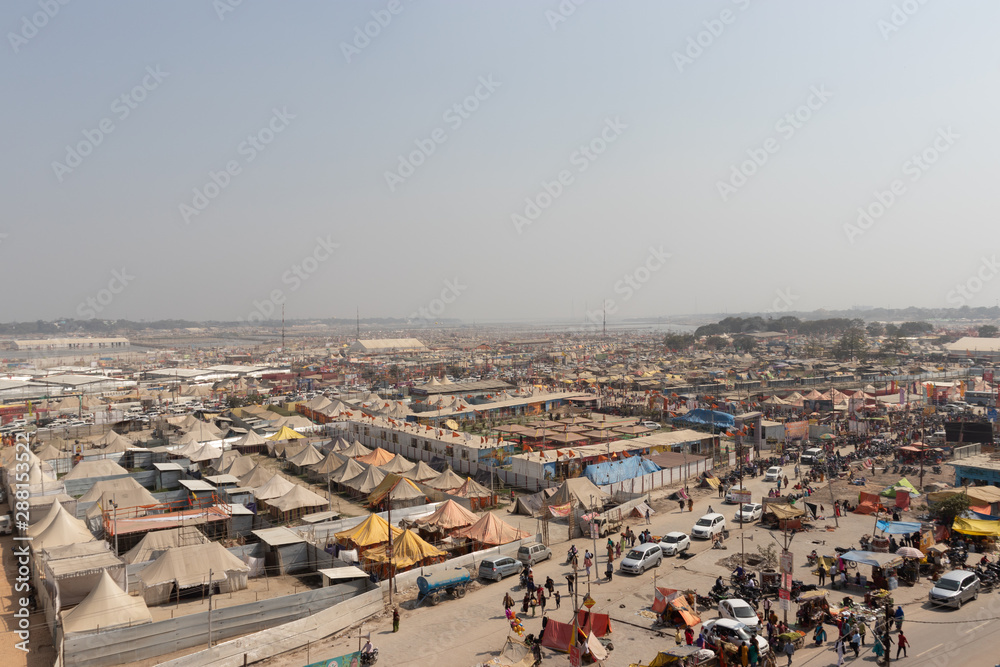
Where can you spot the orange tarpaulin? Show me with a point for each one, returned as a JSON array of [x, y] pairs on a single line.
[[560, 511], [903, 500], [590, 622], [868, 503]]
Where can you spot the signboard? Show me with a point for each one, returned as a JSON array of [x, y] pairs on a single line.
[[595, 531], [741, 496], [349, 660], [575, 656], [786, 562], [784, 605], [786, 582], [588, 601], [784, 595]]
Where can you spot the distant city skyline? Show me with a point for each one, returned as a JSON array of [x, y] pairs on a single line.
[[495, 162]]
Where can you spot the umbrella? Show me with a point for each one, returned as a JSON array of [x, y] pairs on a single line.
[[826, 436], [909, 552]]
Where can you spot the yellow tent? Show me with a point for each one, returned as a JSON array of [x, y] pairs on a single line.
[[407, 550], [286, 434], [373, 530], [979, 527]]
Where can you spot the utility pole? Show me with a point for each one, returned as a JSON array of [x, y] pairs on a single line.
[[210, 608], [885, 641]]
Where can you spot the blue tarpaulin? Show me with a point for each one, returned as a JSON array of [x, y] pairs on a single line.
[[898, 527], [610, 472], [704, 417]]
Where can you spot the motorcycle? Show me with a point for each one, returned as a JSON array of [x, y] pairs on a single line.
[[937, 470], [573, 551], [369, 658]]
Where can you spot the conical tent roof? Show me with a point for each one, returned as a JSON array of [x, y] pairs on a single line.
[[446, 481], [285, 433], [36, 529], [337, 445], [491, 531], [275, 487], [373, 530], [109, 438], [330, 462], [298, 498], [190, 566], [126, 492], [37, 476], [120, 444], [189, 445], [106, 606], [448, 516], [239, 467], [349, 469], [307, 457], [366, 481], [473, 489], [397, 465], [292, 448], [49, 453], [579, 490], [153, 544], [407, 550], [397, 488], [62, 531], [251, 438], [97, 468], [256, 477], [356, 449], [377, 458], [203, 432], [420, 472], [206, 453], [225, 459]]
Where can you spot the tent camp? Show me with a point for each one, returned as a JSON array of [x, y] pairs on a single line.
[[225, 460], [581, 492], [379, 457], [421, 472], [203, 432], [106, 607], [446, 481], [297, 502], [125, 492], [330, 462], [479, 496], [285, 434], [355, 450], [257, 477], [154, 544], [366, 482], [307, 457], [76, 568], [447, 517], [532, 504], [36, 529], [250, 443], [408, 551], [96, 468], [63, 530], [369, 533], [205, 454], [348, 470], [491, 532], [397, 465], [186, 567], [239, 467], [273, 488], [401, 491]]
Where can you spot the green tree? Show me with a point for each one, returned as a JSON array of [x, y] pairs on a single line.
[[988, 331], [875, 329], [744, 343], [852, 344], [945, 511], [894, 345], [715, 343], [674, 341]]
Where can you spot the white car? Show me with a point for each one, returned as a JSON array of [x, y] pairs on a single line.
[[732, 493], [734, 632], [673, 543], [773, 474], [708, 525], [738, 610], [642, 557], [748, 513], [651, 425]]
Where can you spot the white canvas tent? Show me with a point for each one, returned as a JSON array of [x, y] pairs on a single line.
[[275, 487], [154, 544], [63, 530], [96, 468], [187, 567], [107, 606]]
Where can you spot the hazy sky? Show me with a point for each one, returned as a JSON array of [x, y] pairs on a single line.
[[399, 171]]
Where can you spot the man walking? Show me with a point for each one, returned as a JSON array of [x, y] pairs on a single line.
[[822, 574], [647, 516], [901, 643], [570, 578], [789, 650]]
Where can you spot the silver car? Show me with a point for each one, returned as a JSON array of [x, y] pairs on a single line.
[[498, 568], [955, 588]]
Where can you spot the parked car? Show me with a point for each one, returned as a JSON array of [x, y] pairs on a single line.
[[533, 553], [734, 632], [651, 425], [498, 568], [812, 456], [673, 543], [709, 525], [642, 557], [773, 474], [955, 588], [736, 609], [748, 513]]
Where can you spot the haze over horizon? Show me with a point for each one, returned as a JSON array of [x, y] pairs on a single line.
[[490, 162]]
